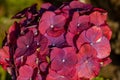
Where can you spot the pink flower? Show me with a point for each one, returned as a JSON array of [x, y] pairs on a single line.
[[95, 38], [63, 58], [52, 24], [79, 23], [70, 42], [88, 65]]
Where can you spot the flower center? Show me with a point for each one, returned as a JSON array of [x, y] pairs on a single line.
[[78, 25], [63, 60], [38, 43], [27, 46], [98, 40], [52, 26], [53, 44], [91, 43]]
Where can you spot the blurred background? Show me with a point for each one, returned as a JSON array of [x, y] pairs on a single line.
[[111, 72]]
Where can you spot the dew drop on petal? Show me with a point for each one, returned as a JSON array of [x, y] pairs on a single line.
[[98, 40]]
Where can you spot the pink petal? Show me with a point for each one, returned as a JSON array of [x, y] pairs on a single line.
[[31, 60], [69, 38], [88, 65], [81, 40], [23, 41], [38, 77], [103, 48], [26, 71], [76, 4], [46, 5], [98, 18], [93, 34], [55, 76], [4, 56], [56, 58], [48, 16], [59, 21], [106, 31], [43, 66], [43, 26]]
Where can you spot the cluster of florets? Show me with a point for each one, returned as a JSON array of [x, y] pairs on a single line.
[[66, 43]]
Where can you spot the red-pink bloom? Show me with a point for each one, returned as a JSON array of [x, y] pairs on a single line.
[[95, 38], [63, 58], [52, 24], [79, 23], [66, 43], [25, 46], [88, 65]]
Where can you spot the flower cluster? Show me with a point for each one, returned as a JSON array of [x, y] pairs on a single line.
[[66, 43]]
